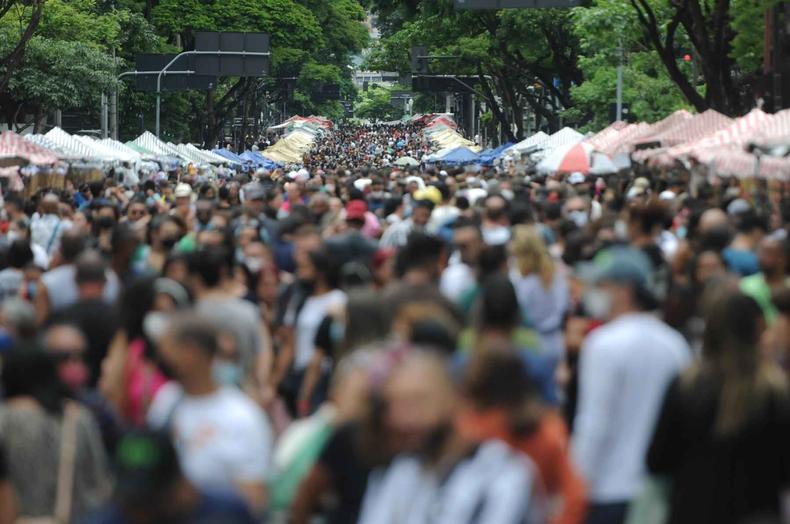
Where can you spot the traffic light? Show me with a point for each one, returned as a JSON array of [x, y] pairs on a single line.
[[419, 65]]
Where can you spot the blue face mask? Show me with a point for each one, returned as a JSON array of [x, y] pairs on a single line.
[[227, 373], [681, 232]]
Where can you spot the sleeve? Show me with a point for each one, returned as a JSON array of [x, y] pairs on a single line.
[[597, 391], [160, 413], [664, 450]]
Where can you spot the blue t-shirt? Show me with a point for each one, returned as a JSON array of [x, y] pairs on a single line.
[[212, 508], [740, 261]]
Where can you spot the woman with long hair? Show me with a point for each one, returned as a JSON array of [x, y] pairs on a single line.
[[724, 427], [541, 287], [56, 463]]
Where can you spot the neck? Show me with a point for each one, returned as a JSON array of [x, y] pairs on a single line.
[[201, 384]]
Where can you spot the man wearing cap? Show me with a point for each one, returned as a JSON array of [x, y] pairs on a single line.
[[151, 488], [624, 369], [352, 245]]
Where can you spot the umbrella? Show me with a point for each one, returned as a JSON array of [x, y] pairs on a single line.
[[405, 161], [580, 157]]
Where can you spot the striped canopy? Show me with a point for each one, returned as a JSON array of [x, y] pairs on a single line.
[[14, 148]]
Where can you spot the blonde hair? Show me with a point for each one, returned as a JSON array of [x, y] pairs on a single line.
[[531, 254]]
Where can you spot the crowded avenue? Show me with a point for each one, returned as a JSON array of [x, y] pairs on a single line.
[[356, 328]]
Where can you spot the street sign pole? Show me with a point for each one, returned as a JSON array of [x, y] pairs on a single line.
[[114, 96], [163, 71]]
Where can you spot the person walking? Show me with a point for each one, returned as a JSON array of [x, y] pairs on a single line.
[[624, 369], [722, 435]]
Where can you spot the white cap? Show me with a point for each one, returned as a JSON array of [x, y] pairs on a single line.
[[442, 173], [183, 190], [576, 178], [667, 195]]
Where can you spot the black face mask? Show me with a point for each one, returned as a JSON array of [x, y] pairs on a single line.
[[169, 243], [105, 223], [435, 442]]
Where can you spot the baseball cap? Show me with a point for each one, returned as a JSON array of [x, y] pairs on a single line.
[[146, 464], [621, 264], [183, 190], [356, 209], [254, 192], [431, 193], [738, 206], [576, 178]]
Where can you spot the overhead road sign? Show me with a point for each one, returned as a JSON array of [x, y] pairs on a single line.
[[238, 54], [172, 81]]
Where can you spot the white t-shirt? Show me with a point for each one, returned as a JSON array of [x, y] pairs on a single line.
[[625, 367], [222, 439], [308, 322], [456, 279]]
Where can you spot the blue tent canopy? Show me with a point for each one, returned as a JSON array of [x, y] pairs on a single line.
[[460, 156], [259, 160], [230, 155], [488, 156]]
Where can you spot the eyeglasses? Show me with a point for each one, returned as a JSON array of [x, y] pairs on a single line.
[[63, 355]]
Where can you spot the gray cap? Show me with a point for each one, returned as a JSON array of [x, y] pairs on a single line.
[[254, 191], [620, 264]]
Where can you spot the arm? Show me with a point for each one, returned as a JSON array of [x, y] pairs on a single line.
[[254, 494], [112, 384], [7, 503], [42, 304], [284, 358], [308, 495], [310, 381], [264, 367]]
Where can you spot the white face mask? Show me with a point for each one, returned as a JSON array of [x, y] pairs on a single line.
[[621, 230], [579, 217], [12, 236], [597, 303], [154, 324]]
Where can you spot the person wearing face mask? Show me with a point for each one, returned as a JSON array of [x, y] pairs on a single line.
[[624, 369], [91, 313], [496, 225], [67, 346], [164, 233], [576, 209]]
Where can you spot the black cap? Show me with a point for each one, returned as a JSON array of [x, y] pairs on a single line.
[[146, 465]]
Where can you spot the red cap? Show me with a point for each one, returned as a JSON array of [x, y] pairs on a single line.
[[356, 209]]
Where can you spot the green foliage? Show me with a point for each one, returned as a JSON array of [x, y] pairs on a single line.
[[374, 104], [748, 22], [61, 74], [603, 30]]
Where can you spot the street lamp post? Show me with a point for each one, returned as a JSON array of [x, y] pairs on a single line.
[[114, 95], [163, 71]]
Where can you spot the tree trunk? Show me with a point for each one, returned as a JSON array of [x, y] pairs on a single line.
[[12, 61]]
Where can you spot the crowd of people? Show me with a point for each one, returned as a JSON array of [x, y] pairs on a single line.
[[352, 341]]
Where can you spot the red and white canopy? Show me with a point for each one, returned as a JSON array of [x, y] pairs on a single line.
[[580, 157], [14, 148]]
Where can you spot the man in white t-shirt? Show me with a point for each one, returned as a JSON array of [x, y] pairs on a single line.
[[223, 438]]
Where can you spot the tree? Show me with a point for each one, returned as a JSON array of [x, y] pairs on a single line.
[[509, 51], [376, 104], [14, 55], [722, 38], [609, 33]]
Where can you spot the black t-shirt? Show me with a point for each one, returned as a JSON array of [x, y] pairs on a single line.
[[323, 338], [99, 322], [348, 473]]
